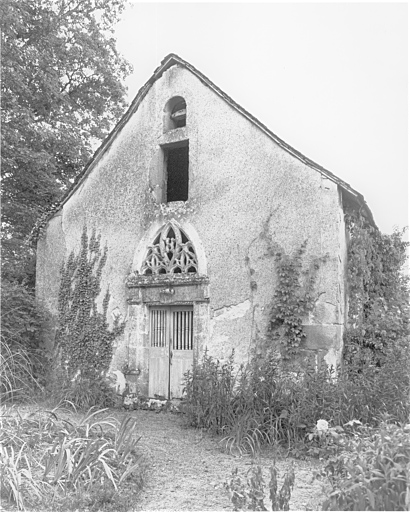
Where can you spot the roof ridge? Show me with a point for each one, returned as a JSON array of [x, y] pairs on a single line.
[[167, 62]]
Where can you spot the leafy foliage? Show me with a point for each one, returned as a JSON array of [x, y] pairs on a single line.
[[20, 316], [18, 376], [251, 495], [61, 92], [375, 473], [47, 457], [84, 392], [379, 308], [84, 340], [208, 392], [267, 402], [292, 300], [22, 362]]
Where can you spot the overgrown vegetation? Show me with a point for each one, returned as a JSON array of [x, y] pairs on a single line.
[[61, 92], [84, 341], [21, 359], [293, 298], [59, 460], [379, 308], [268, 401], [17, 378], [264, 402], [250, 495], [371, 471]]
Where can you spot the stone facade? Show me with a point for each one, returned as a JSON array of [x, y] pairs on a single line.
[[244, 187]]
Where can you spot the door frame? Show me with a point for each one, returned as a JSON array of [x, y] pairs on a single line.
[[161, 357]]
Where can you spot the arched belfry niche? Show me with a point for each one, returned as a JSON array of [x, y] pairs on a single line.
[[168, 301], [175, 113]]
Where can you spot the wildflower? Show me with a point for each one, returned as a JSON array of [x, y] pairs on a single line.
[[128, 400], [322, 425]]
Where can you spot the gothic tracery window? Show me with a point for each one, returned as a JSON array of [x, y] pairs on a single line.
[[171, 253]]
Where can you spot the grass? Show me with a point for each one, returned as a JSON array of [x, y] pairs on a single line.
[[61, 460], [17, 379]]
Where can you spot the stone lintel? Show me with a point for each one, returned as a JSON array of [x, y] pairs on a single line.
[[139, 302], [169, 291], [137, 281]]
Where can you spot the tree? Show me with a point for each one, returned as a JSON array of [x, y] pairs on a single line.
[[62, 91]]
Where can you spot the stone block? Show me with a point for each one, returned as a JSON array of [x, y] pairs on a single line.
[[323, 337], [325, 313]]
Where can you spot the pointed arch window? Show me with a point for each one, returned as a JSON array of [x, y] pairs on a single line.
[[171, 253]]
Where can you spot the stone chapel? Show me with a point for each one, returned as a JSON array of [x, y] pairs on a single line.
[[187, 193]]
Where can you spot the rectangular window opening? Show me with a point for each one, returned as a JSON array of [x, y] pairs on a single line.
[[177, 173]]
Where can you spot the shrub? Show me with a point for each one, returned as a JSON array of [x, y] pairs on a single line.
[[375, 473]]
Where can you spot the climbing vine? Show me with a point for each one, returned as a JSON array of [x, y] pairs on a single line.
[[378, 290], [293, 299], [83, 340]]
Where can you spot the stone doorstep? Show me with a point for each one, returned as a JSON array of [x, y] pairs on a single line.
[[133, 401]]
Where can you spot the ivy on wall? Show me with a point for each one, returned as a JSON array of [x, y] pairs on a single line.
[[293, 299], [378, 290], [84, 340]]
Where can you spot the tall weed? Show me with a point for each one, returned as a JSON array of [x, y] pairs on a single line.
[[22, 363], [208, 391], [375, 473], [267, 402], [249, 494], [18, 378], [47, 455], [84, 393], [17, 478]]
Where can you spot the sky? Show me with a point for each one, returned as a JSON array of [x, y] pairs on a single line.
[[330, 79]]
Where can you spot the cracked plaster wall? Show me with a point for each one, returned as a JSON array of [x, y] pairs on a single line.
[[238, 179]]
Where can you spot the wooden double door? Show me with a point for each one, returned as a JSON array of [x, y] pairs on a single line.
[[171, 349]]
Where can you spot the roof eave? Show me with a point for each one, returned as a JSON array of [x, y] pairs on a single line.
[[169, 61]]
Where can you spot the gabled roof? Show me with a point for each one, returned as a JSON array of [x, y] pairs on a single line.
[[171, 60]]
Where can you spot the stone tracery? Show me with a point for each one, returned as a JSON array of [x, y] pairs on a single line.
[[171, 253]]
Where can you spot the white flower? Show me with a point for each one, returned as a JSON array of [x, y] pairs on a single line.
[[128, 400], [322, 425]]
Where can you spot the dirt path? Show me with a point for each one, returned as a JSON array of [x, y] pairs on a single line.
[[187, 468]]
